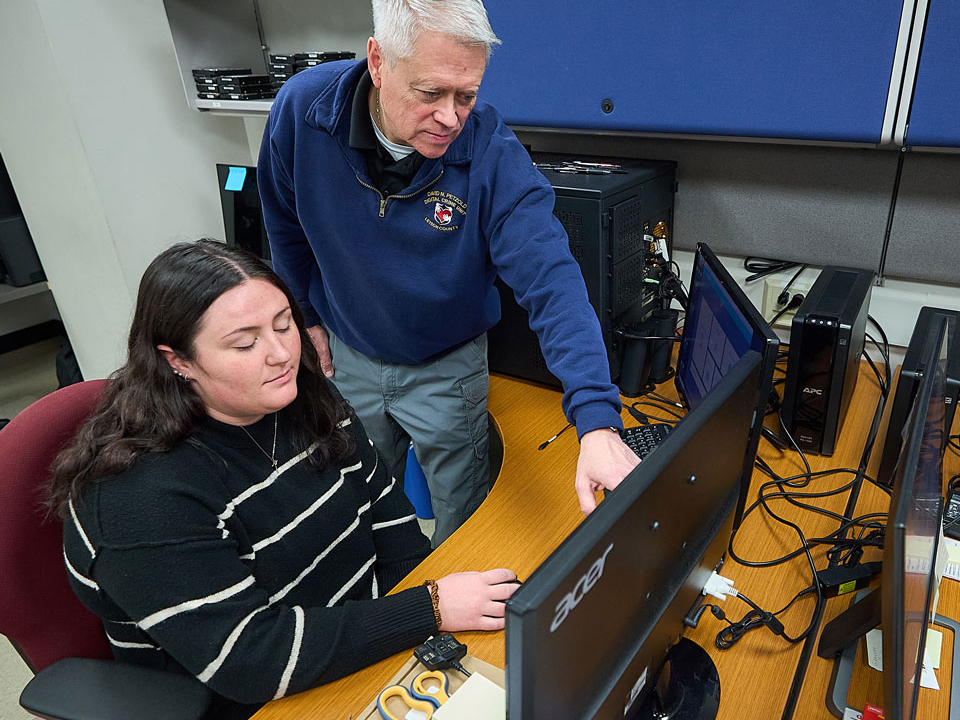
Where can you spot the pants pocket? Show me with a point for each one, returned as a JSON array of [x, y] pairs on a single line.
[[474, 390]]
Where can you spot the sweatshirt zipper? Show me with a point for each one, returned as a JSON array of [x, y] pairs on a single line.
[[385, 198]]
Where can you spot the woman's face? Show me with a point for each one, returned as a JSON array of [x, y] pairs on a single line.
[[247, 354]]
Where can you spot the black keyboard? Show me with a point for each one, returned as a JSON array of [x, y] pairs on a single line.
[[644, 438]]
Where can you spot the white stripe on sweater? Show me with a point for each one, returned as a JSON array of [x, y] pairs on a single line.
[[351, 582], [167, 613], [386, 490], [294, 652], [267, 482], [231, 640], [391, 523], [125, 644], [80, 578], [318, 559], [316, 505], [83, 535]]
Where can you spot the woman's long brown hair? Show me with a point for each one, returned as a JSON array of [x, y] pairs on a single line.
[[145, 408]]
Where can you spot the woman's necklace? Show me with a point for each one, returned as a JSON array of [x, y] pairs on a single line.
[[273, 452]]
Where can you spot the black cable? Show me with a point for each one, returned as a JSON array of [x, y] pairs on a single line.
[[626, 335], [755, 618], [784, 296], [794, 303], [953, 442], [761, 267], [544, 444], [644, 418], [875, 424]]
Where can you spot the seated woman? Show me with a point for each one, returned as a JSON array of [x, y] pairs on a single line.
[[226, 515]]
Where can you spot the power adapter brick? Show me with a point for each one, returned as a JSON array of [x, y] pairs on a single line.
[[840, 580]]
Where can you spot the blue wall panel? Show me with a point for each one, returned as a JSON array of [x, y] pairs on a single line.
[[935, 113], [817, 70]]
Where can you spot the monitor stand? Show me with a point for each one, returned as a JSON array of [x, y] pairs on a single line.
[[688, 686], [867, 602]]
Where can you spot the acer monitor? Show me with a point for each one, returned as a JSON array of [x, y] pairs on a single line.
[[590, 631], [721, 325], [902, 605]]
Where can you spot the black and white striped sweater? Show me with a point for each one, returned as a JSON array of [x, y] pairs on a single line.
[[261, 583]]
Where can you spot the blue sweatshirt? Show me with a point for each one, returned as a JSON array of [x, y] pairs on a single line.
[[406, 277]]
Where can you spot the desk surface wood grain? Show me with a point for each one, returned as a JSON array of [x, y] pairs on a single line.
[[533, 507]]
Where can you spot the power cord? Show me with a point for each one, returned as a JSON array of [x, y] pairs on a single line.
[[784, 297], [645, 418], [760, 267], [722, 588], [794, 303]]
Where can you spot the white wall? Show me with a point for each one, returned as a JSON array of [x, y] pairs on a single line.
[[108, 163]]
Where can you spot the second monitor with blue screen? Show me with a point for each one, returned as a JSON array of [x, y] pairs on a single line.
[[721, 326]]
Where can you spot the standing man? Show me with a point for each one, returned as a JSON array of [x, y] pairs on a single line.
[[392, 198]]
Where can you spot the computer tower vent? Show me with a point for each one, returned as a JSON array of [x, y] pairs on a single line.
[[627, 220], [628, 284]]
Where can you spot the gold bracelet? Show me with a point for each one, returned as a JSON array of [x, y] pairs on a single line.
[[435, 599]]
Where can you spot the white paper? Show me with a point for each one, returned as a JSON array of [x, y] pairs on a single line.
[[477, 699], [931, 651], [952, 552], [928, 678], [874, 640]]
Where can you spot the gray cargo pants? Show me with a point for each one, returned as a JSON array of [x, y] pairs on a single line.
[[441, 406]]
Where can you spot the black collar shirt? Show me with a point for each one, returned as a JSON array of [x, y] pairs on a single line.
[[389, 176]]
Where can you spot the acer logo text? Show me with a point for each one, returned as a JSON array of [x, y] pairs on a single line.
[[583, 586]]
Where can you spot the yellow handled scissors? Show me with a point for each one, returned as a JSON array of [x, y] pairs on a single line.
[[432, 686], [403, 697], [428, 691]]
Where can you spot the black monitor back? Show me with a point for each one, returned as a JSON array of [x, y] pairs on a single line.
[[909, 380], [242, 214], [587, 633]]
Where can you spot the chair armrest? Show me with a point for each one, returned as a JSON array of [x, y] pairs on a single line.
[[85, 689]]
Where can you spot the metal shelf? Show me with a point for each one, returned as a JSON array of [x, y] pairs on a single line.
[[9, 293], [253, 108]]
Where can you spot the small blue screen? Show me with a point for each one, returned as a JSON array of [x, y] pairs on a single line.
[[716, 334]]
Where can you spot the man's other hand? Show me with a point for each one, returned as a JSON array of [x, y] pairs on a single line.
[[322, 343], [604, 461]]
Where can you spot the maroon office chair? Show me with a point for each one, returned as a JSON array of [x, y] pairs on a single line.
[[59, 639]]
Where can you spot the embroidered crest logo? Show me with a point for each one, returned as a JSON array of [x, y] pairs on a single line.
[[443, 214]]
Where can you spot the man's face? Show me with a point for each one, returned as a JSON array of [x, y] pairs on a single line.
[[425, 99]]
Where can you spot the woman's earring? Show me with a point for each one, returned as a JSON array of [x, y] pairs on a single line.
[[185, 378]]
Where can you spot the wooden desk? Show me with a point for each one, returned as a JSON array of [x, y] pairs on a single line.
[[533, 507]]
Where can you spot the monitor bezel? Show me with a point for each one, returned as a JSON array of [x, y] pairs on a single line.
[[894, 556]]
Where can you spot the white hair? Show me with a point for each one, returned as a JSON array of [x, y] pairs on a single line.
[[398, 23]]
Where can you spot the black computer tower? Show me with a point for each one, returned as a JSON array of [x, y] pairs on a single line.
[[826, 341], [911, 371], [607, 217]]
